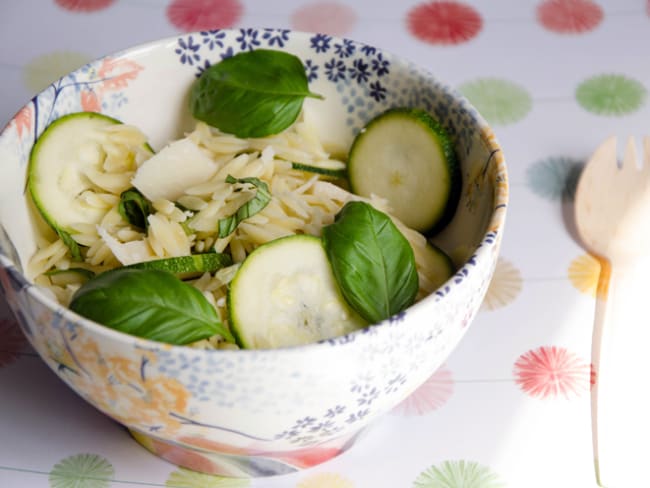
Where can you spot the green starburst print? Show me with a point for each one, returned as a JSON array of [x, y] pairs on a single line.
[[501, 102], [458, 474], [82, 471], [554, 178], [610, 94], [39, 72], [184, 478]]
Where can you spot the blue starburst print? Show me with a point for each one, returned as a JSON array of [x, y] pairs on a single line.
[[377, 91], [345, 49], [554, 178], [335, 70], [201, 68], [276, 37], [188, 51], [229, 53], [320, 43], [213, 38], [248, 39], [380, 65], [359, 71], [311, 70]]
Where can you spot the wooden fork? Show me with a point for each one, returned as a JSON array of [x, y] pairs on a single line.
[[612, 210]]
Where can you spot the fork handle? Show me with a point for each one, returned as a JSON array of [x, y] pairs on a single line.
[[621, 359]]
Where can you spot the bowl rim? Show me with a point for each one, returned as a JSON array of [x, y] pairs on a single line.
[[494, 225]]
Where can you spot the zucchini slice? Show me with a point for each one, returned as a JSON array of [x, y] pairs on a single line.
[[58, 164], [63, 277], [285, 294], [406, 157], [186, 267], [332, 169]]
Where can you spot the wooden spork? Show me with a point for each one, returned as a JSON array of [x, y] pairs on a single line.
[[612, 211]]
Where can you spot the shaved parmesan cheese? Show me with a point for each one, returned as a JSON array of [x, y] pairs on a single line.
[[126, 252], [176, 167]]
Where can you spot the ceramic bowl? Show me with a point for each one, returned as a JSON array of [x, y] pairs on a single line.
[[255, 412]]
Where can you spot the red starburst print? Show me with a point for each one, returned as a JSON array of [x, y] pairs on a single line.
[[444, 22], [84, 5], [549, 372], [12, 341], [191, 15], [569, 16], [430, 396], [331, 18]]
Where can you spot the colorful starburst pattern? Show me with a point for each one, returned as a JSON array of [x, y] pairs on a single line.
[[333, 18], [569, 16], [554, 178], [202, 15], [611, 94], [84, 5], [82, 471], [505, 286], [550, 371], [430, 396], [458, 474], [584, 272], [501, 102], [184, 478], [443, 22]]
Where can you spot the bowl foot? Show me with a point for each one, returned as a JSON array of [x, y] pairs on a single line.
[[205, 456]]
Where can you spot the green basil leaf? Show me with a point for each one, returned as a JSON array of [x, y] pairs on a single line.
[[72, 245], [135, 208], [261, 199], [372, 261], [252, 94], [149, 303]]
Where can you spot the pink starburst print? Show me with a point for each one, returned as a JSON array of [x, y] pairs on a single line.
[[430, 396], [192, 15], [84, 5], [331, 18], [569, 16], [12, 341], [549, 372], [441, 22]]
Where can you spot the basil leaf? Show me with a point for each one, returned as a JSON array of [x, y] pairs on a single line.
[[372, 261], [252, 94], [149, 303], [72, 245], [261, 199], [135, 208]]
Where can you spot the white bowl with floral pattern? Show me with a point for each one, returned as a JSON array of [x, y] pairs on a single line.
[[255, 412]]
